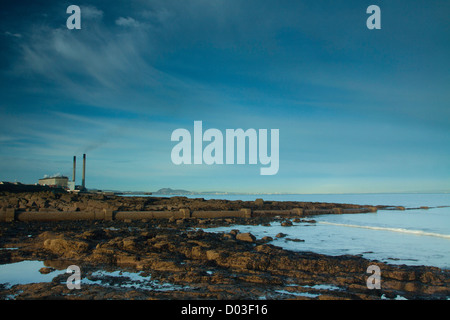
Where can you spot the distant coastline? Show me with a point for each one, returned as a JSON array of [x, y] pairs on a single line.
[[23, 187]]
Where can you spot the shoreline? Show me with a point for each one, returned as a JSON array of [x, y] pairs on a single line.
[[176, 259], [60, 205]]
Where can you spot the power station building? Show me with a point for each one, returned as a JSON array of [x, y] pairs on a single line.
[[63, 181], [54, 181]]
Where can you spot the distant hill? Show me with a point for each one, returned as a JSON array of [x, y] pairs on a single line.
[[172, 191], [169, 191]]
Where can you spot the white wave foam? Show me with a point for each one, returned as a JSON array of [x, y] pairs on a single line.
[[401, 230]]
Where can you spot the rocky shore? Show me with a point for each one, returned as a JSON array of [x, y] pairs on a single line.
[[175, 258], [61, 201]]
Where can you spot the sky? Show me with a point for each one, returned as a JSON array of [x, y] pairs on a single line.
[[358, 110]]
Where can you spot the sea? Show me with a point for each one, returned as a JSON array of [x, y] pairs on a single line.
[[412, 237]]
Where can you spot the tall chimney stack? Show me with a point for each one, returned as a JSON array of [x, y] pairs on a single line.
[[84, 172], [74, 166]]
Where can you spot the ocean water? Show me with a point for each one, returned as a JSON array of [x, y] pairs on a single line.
[[411, 237]]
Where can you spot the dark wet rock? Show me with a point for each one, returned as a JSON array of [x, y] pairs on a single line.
[[259, 202], [66, 247], [294, 240], [46, 270], [248, 237]]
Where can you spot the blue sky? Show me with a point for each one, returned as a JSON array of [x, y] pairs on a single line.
[[358, 110]]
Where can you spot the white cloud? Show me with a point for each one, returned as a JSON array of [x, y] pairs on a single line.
[[99, 58], [90, 12], [109, 68], [160, 15], [15, 35], [127, 22]]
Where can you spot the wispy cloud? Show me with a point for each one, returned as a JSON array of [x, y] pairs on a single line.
[[15, 35], [91, 12], [128, 22]]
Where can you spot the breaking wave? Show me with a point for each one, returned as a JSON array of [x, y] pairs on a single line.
[[401, 230]]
